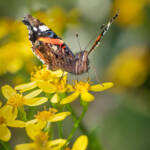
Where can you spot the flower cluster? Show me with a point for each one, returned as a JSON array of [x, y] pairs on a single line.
[[53, 83], [51, 89]]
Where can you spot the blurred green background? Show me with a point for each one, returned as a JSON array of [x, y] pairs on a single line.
[[119, 118]]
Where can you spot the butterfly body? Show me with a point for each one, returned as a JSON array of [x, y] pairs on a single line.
[[53, 51]]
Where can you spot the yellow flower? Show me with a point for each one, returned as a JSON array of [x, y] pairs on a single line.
[[13, 56], [8, 116], [45, 74], [42, 78], [18, 100], [81, 88], [130, 68], [60, 87], [7, 26], [131, 11], [48, 116], [40, 140], [50, 82], [15, 47], [80, 144]]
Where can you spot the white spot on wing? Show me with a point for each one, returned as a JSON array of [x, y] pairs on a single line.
[[35, 29], [54, 47], [43, 28]]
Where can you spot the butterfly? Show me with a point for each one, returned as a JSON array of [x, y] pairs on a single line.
[[54, 52]]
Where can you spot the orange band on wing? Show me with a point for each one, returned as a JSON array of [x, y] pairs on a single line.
[[50, 40], [41, 56]]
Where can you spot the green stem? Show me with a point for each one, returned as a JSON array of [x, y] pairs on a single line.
[[23, 115], [60, 129], [50, 132], [5, 145], [93, 145], [49, 129], [73, 114], [60, 123], [77, 122], [75, 117]]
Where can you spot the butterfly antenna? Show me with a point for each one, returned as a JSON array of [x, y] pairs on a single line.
[[105, 29], [77, 36], [102, 26]]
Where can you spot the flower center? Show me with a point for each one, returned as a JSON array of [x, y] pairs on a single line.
[[61, 85], [81, 86], [46, 115], [16, 101], [41, 141]]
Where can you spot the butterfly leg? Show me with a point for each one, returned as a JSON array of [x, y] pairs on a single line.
[[77, 79], [88, 76], [96, 75]]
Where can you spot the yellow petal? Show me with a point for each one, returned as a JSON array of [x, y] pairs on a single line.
[[33, 94], [35, 101], [70, 98], [14, 113], [26, 86], [70, 88], [55, 98], [28, 146], [56, 143], [46, 86], [58, 73], [59, 116], [5, 134], [16, 123], [81, 143], [101, 87], [0, 103], [34, 129], [8, 91], [87, 97], [31, 122], [8, 112]]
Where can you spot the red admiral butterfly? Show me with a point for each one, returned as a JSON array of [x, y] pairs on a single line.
[[53, 51]]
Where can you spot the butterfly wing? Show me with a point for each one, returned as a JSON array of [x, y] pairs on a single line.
[[47, 46]]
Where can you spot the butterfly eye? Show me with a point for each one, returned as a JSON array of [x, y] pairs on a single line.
[[50, 33]]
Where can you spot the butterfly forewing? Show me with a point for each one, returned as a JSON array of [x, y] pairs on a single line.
[[46, 45]]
